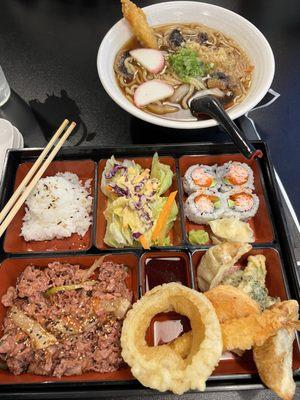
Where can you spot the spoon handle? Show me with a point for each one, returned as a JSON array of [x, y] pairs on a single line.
[[211, 106]]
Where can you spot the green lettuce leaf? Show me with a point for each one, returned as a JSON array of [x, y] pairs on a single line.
[[117, 234], [163, 173]]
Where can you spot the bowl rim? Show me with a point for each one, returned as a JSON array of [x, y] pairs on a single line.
[[234, 113]]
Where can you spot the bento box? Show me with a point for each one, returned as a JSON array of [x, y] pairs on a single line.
[[177, 261]]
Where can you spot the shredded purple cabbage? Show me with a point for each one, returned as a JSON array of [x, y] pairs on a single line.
[[136, 235], [145, 216], [139, 204], [139, 186], [114, 170], [119, 191]]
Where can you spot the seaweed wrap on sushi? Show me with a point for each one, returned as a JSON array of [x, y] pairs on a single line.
[[202, 207], [242, 204], [235, 176], [200, 177]]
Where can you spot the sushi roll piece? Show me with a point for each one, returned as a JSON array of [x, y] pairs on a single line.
[[242, 205], [235, 176], [202, 207], [200, 177]]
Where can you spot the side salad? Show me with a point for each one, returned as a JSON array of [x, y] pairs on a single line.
[[137, 213]]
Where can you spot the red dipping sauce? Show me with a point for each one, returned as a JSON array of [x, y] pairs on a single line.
[[166, 327], [165, 270]]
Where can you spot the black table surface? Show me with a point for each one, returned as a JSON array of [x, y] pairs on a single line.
[[48, 51]]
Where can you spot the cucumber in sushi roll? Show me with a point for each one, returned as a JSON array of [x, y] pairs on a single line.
[[200, 177], [235, 176], [242, 205], [202, 207]]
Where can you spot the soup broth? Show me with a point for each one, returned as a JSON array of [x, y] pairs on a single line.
[[196, 58]]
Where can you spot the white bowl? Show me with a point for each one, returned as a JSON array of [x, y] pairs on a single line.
[[228, 22]]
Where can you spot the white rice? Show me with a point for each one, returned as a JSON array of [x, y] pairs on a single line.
[[190, 186], [58, 206], [237, 212], [223, 170], [194, 214]]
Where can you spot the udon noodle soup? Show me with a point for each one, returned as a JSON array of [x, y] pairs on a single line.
[[196, 58]]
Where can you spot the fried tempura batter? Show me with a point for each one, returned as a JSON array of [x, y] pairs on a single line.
[[182, 344], [247, 327], [138, 22], [274, 360], [254, 330], [244, 333], [160, 367], [230, 302]]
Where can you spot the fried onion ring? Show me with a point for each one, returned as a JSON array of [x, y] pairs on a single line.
[[161, 367]]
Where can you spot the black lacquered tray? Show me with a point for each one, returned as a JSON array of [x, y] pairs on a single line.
[[278, 242]]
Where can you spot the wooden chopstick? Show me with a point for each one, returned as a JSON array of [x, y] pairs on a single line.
[[28, 189], [32, 171]]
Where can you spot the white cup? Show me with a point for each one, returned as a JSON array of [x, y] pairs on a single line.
[[4, 88]]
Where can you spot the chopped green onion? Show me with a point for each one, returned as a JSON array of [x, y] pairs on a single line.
[[186, 64]]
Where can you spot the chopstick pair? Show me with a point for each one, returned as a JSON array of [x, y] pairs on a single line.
[[34, 175]]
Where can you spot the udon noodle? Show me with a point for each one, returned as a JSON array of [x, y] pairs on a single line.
[[228, 68]]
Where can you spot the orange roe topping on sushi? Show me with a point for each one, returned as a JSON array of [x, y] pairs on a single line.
[[205, 202], [243, 200], [237, 175], [202, 178]]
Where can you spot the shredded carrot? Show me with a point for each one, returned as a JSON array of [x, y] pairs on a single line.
[[144, 242], [163, 216]]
